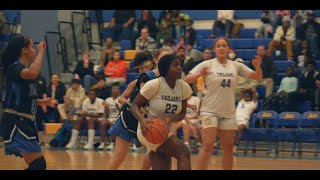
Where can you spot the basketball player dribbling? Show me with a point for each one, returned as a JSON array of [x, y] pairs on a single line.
[[217, 111], [167, 97], [125, 126]]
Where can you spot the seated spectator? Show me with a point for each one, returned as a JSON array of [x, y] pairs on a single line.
[[307, 85], [265, 30], [310, 31], [112, 110], [121, 25], [317, 94], [190, 125], [55, 90], [168, 43], [73, 99], [199, 84], [244, 83], [300, 17], [290, 83], [182, 54], [247, 104], [181, 43], [84, 71], [278, 17], [145, 42], [195, 44], [149, 21], [165, 29], [91, 114], [269, 70], [106, 52], [179, 27], [303, 56], [116, 70], [101, 89], [225, 21], [284, 37], [3, 21], [164, 33]]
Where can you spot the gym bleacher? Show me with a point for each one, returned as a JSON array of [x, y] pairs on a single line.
[[245, 45]]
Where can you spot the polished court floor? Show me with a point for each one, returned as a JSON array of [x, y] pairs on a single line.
[[61, 159]]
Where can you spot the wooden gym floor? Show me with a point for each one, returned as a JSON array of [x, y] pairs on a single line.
[[60, 159]]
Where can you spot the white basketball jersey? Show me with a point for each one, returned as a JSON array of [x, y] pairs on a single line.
[[220, 85], [113, 111], [163, 99], [193, 100], [96, 107], [245, 109]]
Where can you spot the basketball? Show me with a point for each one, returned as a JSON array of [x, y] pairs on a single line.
[[158, 131]]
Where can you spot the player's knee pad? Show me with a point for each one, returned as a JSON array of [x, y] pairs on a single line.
[[38, 164]]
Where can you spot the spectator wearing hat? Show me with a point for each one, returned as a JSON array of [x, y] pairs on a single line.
[[278, 16], [283, 38]]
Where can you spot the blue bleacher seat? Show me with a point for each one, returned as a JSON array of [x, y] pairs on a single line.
[[283, 65], [242, 43], [283, 55], [262, 41], [260, 105], [13, 16], [131, 65], [3, 45], [247, 63], [132, 77], [103, 34], [194, 14], [247, 14], [318, 63], [310, 119], [247, 54], [304, 107], [125, 45], [247, 32], [121, 54], [261, 91], [208, 43], [289, 119], [205, 33], [279, 77], [5, 37], [271, 118], [201, 14], [122, 88]]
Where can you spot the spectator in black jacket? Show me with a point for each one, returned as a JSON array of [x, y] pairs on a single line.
[[149, 21], [311, 32], [269, 70], [84, 71], [121, 25], [56, 90]]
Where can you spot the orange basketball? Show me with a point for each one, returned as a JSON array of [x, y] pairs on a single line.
[[158, 131]]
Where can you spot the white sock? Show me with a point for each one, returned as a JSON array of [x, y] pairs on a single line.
[[74, 136], [91, 136], [186, 143], [235, 147]]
